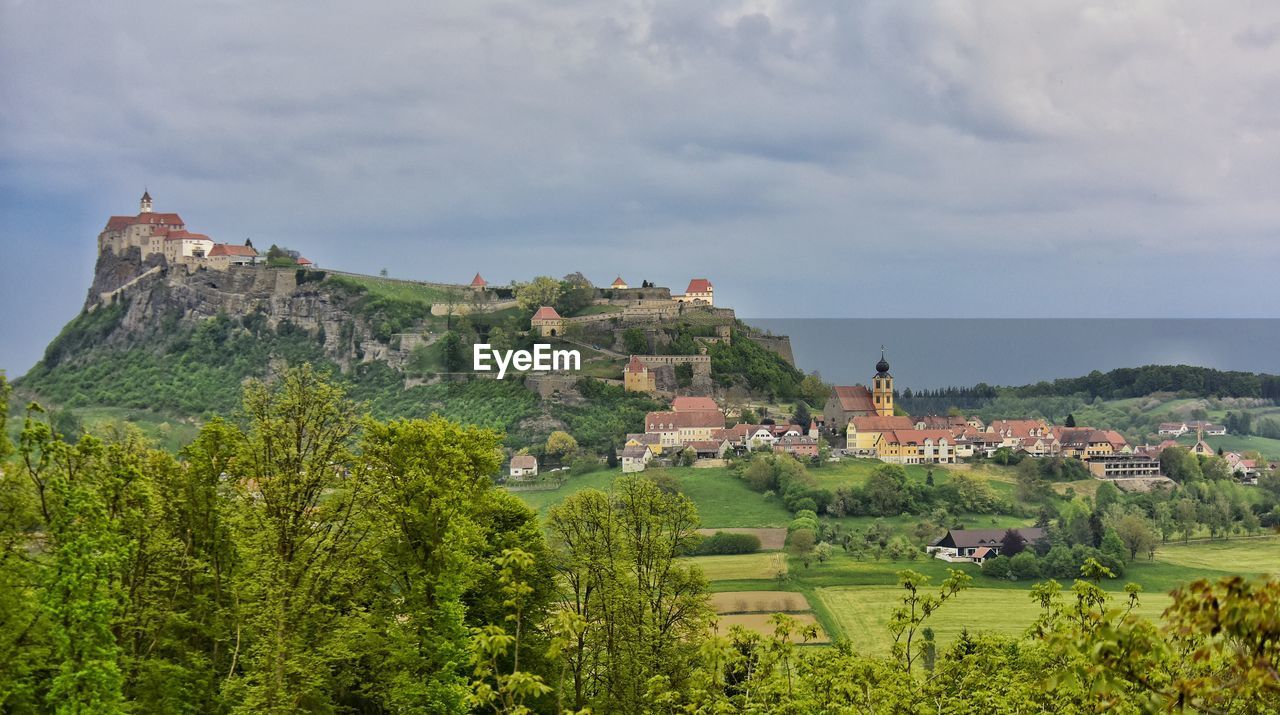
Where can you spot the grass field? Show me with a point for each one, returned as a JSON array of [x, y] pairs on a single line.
[[722, 499], [1236, 443], [400, 291], [751, 567], [862, 613], [1247, 557]]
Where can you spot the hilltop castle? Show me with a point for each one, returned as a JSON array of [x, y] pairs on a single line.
[[165, 234]]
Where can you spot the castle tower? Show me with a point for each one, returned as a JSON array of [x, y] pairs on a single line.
[[882, 388], [145, 206]]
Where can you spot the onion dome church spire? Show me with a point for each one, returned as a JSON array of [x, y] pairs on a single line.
[[882, 387]]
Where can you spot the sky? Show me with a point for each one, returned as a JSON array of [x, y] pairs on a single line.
[[865, 159]]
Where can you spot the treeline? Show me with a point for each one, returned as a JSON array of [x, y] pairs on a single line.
[[302, 558], [1186, 380]]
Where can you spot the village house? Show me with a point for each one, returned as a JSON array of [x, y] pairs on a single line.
[[642, 439], [946, 422], [635, 458], [680, 428], [863, 432], [977, 545], [224, 255], [709, 448], [523, 466], [915, 447], [1175, 429], [798, 446]]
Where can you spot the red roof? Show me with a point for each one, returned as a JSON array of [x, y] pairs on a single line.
[[699, 285], [116, 223], [478, 282], [231, 249], [634, 365], [855, 398], [874, 423], [546, 312], [183, 234], [694, 404], [915, 436], [302, 261], [619, 283], [666, 421]]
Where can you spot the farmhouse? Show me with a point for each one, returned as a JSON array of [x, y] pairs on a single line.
[[965, 544], [524, 466], [635, 458]]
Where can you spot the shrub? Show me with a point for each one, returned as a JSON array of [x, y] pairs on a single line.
[[724, 543]]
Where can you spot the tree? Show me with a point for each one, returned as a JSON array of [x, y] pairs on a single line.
[[917, 606], [541, 291], [634, 341], [455, 358], [561, 445], [298, 524], [632, 611], [823, 552], [801, 544], [612, 459], [1113, 546], [1137, 533], [1012, 543], [1071, 420], [801, 416]]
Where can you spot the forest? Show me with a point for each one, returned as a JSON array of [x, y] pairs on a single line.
[[299, 556]]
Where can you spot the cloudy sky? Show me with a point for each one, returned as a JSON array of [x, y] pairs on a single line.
[[892, 158]]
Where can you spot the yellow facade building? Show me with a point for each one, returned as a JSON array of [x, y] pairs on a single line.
[[882, 388]]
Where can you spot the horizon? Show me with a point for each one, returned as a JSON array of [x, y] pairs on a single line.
[[912, 161]]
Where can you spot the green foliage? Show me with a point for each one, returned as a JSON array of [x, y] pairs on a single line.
[[742, 362], [726, 542], [634, 341]]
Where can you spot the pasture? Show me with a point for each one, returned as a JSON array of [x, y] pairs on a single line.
[[741, 567]]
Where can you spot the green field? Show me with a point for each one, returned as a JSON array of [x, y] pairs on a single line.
[[861, 613], [749, 567], [1246, 556], [722, 499], [1235, 443], [400, 291]]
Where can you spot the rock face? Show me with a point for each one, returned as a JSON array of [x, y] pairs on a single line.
[[173, 295]]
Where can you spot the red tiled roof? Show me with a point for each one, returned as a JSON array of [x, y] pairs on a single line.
[[546, 312], [478, 282], [915, 436], [182, 234], [302, 261], [618, 282], [854, 398], [699, 285], [633, 365], [666, 421], [231, 249], [691, 404], [874, 423], [116, 223]]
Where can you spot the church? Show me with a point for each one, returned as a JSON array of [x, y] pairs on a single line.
[[847, 402]]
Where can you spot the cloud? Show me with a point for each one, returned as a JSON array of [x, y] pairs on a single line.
[[513, 136]]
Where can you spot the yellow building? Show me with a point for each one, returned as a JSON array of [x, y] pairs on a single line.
[[547, 322], [863, 432], [882, 388], [637, 377]]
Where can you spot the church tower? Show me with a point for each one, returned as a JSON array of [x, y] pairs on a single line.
[[882, 388], [145, 206]]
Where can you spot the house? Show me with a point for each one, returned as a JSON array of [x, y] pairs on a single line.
[[760, 436], [619, 284], [223, 255], [939, 422], [1086, 443], [963, 544], [699, 290], [637, 377], [635, 458], [547, 322], [1124, 466], [1202, 448], [709, 448], [680, 428], [798, 446], [1176, 429], [305, 262], [478, 283], [524, 466], [914, 446], [181, 246], [862, 432], [641, 439], [1209, 428]]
